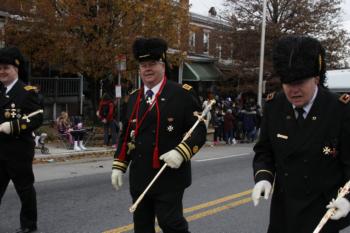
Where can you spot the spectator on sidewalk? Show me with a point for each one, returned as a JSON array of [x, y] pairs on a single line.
[[74, 133], [229, 122], [248, 116], [218, 124], [204, 105], [106, 113]]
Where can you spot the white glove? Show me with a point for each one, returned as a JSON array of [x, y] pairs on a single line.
[[5, 127], [342, 208], [260, 188], [172, 158], [117, 178]]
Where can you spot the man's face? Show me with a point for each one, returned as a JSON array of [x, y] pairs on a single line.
[[151, 72], [8, 73], [301, 92]]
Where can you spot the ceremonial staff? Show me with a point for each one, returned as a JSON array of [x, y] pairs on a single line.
[[342, 192], [188, 134]]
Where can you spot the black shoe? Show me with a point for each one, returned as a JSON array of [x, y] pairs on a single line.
[[26, 230]]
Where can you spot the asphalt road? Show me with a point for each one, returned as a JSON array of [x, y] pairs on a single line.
[[78, 197]]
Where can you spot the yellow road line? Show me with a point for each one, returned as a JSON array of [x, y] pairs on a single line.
[[217, 201], [199, 215]]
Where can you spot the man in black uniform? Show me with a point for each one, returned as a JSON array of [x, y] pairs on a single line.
[[159, 114], [304, 143], [20, 114]]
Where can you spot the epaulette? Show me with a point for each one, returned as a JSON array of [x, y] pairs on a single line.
[[187, 87], [30, 88], [133, 91], [270, 96], [344, 98]]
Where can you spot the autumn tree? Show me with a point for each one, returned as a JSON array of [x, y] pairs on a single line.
[[84, 36], [317, 18]]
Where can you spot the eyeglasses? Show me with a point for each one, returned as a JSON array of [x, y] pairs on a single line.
[[146, 64]]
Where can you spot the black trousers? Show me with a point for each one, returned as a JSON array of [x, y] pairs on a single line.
[[22, 176], [167, 207]]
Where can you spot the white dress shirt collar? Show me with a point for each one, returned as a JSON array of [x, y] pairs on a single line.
[[9, 87]]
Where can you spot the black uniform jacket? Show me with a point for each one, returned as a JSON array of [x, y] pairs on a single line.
[[309, 164], [19, 102], [177, 106]]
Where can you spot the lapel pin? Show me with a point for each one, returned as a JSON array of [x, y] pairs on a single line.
[[314, 118], [282, 136], [170, 119], [13, 105], [162, 99]]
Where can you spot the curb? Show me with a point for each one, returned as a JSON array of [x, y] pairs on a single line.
[[69, 156]]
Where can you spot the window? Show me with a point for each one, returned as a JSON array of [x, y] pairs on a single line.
[[218, 50], [192, 41], [206, 42]]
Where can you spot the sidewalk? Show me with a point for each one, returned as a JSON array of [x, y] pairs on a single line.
[[59, 154]]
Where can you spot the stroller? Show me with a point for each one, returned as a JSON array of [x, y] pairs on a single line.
[[40, 143]]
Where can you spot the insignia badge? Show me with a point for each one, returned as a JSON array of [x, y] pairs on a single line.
[[18, 116], [131, 146], [7, 114], [170, 128], [187, 87], [23, 126], [13, 113], [270, 96], [288, 117], [326, 150], [29, 88], [282, 136], [13, 105], [330, 148], [314, 118], [345, 98], [170, 119], [7, 96], [162, 99], [149, 101], [195, 149]]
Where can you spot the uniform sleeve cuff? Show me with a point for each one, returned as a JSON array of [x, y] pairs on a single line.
[[120, 165], [184, 150], [264, 175]]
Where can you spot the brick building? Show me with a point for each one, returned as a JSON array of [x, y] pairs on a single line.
[[210, 50]]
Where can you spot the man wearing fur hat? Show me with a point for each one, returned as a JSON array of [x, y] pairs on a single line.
[[158, 114], [303, 148], [20, 114]]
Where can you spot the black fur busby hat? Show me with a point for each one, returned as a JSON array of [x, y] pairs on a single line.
[[150, 49], [296, 58], [12, 56]]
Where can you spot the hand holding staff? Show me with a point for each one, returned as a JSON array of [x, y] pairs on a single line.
[[188, 134], [342, 192]]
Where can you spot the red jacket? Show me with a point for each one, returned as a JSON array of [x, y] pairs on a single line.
[[102, 113]]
